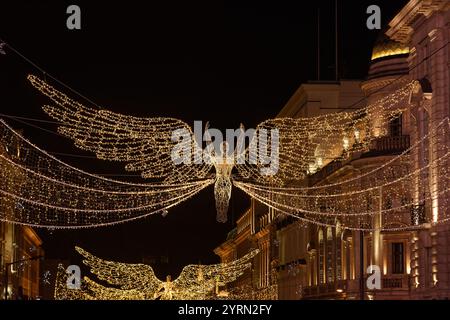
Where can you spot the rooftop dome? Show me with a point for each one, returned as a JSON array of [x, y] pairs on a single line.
[[385, 47]]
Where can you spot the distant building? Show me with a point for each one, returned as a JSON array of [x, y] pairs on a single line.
[[19, 243], [256, 227]]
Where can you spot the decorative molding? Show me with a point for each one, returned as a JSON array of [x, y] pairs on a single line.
[[403, 24]]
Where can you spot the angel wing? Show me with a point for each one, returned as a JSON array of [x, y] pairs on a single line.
[[98, 292], [90, 290], [138, 281], [126, 276], [289, 146], [305, 145], [144, 143], [196, 281]]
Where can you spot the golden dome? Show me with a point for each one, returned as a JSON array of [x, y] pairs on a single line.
[[385, 47]]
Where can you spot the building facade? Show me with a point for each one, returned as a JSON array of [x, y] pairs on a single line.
[[19, 245], [313, 262]]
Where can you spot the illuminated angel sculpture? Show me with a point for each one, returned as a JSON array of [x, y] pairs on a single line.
[[278, 152], [138, 281]]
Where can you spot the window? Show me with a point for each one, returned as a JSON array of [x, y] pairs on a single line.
[[398, 260], [321, 257], [329, 259], [395, 127]]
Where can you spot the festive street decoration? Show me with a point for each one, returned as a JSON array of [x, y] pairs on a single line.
[[138, 281], [392, 190], [300, 146], [40, 190]]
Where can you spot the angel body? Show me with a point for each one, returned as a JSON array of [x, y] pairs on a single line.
[[165, 290]]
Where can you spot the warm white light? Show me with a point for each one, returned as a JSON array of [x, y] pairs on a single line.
[[346, 143], [312, 168], [435, 210], [319, 162], [139, 282], [357, 135]]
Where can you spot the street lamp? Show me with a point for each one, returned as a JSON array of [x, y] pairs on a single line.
[[7, 266]]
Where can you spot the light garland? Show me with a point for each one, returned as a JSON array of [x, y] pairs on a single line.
[[308, 144], [39, 190], [439, 131], [353, 201], [320, 139], [146, 144], [138, 281], [248, 292]]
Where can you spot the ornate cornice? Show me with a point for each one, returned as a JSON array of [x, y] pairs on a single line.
[[402, 25]]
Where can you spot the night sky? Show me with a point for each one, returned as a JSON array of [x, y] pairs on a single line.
[[225, 62]]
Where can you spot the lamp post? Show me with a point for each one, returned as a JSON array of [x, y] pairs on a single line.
[[8, 264]]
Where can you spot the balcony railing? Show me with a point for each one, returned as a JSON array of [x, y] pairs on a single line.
[[325, 171], [323, 289], [389, 284], [381, 146], [392, 283], [392, 143]]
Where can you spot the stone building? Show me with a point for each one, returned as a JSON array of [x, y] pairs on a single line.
[[19, 245], [313, 262]]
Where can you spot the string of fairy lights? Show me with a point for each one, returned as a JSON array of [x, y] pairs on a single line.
[[305, 146], [139, 282], [386, 191], [308, 144], [144, 143], [404, 156], [387, 175], [119, 137], [39, 190]]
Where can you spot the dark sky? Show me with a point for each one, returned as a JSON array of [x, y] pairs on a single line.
[[225, 62]]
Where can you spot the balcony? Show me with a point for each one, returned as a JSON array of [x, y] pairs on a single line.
[[392, 287], [388, 145], [325, 172], [392, 143], [325, 290], [392, 283], [381, 146]]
